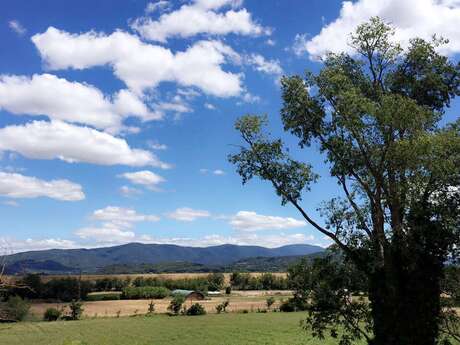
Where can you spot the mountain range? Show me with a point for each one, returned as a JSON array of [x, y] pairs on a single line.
[[62, 261]]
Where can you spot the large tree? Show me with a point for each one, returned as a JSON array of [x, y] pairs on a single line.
[[377, 116]]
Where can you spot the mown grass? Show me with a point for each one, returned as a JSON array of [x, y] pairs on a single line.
[[223, 329]]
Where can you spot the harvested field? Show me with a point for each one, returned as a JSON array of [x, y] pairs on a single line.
[[132, 307]]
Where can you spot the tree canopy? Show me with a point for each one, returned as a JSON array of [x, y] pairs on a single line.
[[378, 117]]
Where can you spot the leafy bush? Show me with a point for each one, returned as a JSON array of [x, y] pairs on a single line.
[[215, 281], [228, 290], [17, 308], [222, 307], [76, 310], [196, 309], [270, 301], [151, 308], [145, 292], [109, 296], [52, 314], [176, 304]]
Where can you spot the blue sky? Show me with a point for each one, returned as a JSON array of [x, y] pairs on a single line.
[[116, 117]]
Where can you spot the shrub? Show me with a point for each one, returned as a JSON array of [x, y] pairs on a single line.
[[76, 310], [270, 301], [216, 281], [196, 309], [151, 308], [52, 314], [145, 292], [176, 304], [228, 290], [222, 307], [17, 308]]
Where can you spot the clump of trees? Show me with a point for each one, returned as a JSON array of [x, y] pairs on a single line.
[[175, 305], [145, 292], [376, 116], [195, 309], [266, 281]]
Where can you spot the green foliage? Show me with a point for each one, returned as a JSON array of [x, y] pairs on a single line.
[[222, 307], [176, 304], [66, 289], [151, 308], [76, 310], [196, 284], [266, 281], [196, 309], [270, 301], [228, 290], [52, 314], [145, 292], [216, 281], [376, 116], [16, 308]]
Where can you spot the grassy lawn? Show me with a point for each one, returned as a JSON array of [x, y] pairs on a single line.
[[224, 329]]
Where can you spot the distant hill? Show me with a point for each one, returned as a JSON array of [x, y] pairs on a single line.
[[63, 261]]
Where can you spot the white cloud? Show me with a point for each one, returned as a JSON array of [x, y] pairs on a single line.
[[199, 17], [157, 6], [209, 106], [121, 217], [411, 18], [260, 64], [186, 214], [106, 235], [59, 99], [115, 225], [14, 185], [59, 140], [11, 203], [140, 65], [17, 27], [251, 221], [250, 98], [218, 172], [16, 246], [145, 178], [244, 239], [127, 191], [156, 145]]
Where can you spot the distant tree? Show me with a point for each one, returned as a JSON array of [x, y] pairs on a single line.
[[195, 309], [270, 301], [151, 308], [52, 314], [176, 304], [76, 310], [216, 281], [375, 115]]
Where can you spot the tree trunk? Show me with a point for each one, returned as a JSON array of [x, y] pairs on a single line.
[[405, 299]]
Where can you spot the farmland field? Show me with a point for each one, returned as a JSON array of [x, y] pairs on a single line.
[[239, 301], [224, 329]]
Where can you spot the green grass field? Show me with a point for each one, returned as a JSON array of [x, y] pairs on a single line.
[[224, 329]]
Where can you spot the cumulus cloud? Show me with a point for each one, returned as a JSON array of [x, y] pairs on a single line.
[[186, 214], [140, 65], [14, 185], [122, 217], [115, 225], [157, 6], [106, 235], [17, 27], [411, 18], [73, 102], [260, 64], [129, 191], [145, 178], [16, 246], [199, 17], [59, 140], [251, 221]]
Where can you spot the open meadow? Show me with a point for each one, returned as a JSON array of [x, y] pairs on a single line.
[[224, 329]]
